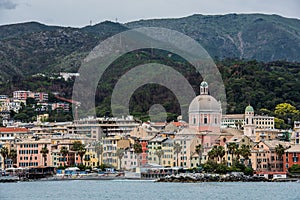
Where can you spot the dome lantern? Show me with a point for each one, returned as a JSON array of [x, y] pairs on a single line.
[[203, 88]]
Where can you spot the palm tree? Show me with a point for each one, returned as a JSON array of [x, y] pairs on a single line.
[[212, 154], [44, 151], [177, 149], [138, 150], [216, 152], [238, 153], [64, 151], [13, 155], [99, 150], [120, 153], [4, 153], [279, 150], [231, 149], [220, 152], [79, 148], [245, 152], [199, 152], [159, 152], [81, 151]]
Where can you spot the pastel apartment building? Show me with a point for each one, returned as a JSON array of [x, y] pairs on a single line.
[[23, 95], [29, 153], [291, 157], [264, 157]]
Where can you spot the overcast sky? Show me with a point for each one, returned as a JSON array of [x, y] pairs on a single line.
[[79, 13]]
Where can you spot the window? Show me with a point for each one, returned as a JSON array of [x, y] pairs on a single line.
[[205, 120]]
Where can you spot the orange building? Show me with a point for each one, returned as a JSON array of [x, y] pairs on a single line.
[[29, 153], [291, 157]]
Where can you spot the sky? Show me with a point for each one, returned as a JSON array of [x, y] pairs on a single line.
[[79, 13]]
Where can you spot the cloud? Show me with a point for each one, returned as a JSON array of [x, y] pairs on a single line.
[[7, 4]]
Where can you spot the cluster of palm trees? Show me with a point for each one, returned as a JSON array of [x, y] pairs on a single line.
[[78, 147], [236, 152], [5, 153], [218, 152]]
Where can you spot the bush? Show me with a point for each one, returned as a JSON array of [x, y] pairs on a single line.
[[221, 169], [294, 169], [248, 171]]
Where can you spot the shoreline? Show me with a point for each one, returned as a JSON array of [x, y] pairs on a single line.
[[194, 178]]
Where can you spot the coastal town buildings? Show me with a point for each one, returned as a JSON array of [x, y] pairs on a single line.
[[264, 157], [291, 157], [30, 153]]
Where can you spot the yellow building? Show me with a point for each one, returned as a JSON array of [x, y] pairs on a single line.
[[110, 146], [168, 155], [91, 158]]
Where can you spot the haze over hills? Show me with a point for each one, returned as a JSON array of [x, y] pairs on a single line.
[[244, 36], [28, 48], [234, 41]]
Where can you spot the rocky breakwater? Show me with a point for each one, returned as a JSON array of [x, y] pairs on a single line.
[[193, 178]]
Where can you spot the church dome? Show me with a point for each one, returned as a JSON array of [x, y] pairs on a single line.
[[249, 109], [204, 103]]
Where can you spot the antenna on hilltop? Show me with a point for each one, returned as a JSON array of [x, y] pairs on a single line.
[[91, 22], [116, 20]]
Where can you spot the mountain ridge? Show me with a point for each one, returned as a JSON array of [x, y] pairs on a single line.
[[31, 47]]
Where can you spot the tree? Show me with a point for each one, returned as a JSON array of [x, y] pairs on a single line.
[[287, 112], [220, 152], [177, 149], [199, 152], [81, 151], [294, 168], [120, 153], [44, 151], [159, 152], [212, 154], [13, 155], [99, 150], [231, 149], [245, 152], [216, 152], [79, 148], [138, 150], [4, 153], [64, 151], [279, 150]]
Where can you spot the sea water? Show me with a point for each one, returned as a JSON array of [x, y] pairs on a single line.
[[147, 190]]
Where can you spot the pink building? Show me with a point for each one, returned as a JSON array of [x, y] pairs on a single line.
[[29, 153], [205, 112], [22, 94]]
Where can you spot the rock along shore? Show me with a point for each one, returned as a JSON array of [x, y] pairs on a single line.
[[193, 178]]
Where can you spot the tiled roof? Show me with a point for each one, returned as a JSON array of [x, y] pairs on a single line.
[[13, 130], [294, 149]]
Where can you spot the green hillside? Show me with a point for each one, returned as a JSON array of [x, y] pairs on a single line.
[[257, 55]]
